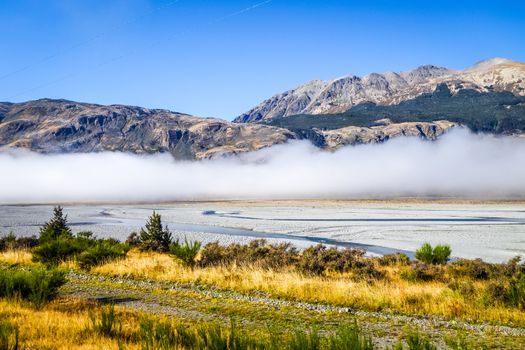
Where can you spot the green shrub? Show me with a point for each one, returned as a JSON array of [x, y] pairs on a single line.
[[440, 254], [350, 337], [103, 251], [309, 340], [416, 341], [515, 294], [11, 242], [154, 236], [186, 252], [53, 252], [105, 323], [38, 286], [9, 336], [56, 227]]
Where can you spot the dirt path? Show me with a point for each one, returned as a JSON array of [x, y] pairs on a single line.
[[198, 303]]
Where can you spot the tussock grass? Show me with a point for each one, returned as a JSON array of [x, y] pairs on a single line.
[[390, 295]]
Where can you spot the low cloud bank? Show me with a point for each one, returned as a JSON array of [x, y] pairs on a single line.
[[459, 164]]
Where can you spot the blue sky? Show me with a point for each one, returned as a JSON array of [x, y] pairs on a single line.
[[220, 58]]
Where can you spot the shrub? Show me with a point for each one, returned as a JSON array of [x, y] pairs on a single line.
[[305, 340], [53, 252], [350, 337], [103, 251], [257, 252], [105, 323], [84, 248], [495, 293], [440, 254], [422, 272], [515, 294], [56, 227], [11, 242], [154, 236], [186, 252], [476, 269], [416, 341], [133, 239], [38, 286], [320, 259], [9, 336], [397, 259]]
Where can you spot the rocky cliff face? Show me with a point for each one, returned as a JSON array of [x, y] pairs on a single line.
[[65, 126], [52, 126], [339, 95]]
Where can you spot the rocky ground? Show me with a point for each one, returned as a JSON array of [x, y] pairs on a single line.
[[202, 303]]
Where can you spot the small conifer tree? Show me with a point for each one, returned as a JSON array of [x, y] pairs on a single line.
[[56, 227], [154, 236]]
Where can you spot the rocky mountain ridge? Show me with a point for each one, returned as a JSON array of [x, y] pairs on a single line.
[[339, 95], [60, 126]]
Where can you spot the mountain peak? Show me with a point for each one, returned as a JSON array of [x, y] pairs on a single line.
[[491, 63]]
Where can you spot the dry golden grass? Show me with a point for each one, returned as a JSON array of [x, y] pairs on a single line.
[[64, 324], [392, 295], [16, 257], [396, 295]]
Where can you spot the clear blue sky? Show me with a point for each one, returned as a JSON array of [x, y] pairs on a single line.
[[206, 58]]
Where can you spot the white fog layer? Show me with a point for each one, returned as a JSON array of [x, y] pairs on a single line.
[[459, 164]]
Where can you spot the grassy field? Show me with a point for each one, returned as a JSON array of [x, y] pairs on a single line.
[[147, 283]]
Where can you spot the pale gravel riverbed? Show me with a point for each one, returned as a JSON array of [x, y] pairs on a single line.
[[491, 231]]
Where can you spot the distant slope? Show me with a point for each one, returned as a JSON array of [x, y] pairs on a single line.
[[59, 126], [494, 112], [339, 95], [65, 126]]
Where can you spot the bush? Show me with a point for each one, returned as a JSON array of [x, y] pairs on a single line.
[[38, 286], [56, 227], [515, 294], [11, 242], [440, 254], [154, 236], [397, 259], [9, 336], [257, 252], [305, 340], [422, 272], [84, 248], [105, 323], [53, 252], [350, 337], [416, 341], [103, 251], [186, 252], [476, 269], [320, 259]]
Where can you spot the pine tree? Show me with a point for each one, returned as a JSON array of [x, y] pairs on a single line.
[[56, 227], [154, 236]]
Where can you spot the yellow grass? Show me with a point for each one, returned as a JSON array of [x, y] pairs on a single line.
[[396, 295], [64, 324], [16, 257]]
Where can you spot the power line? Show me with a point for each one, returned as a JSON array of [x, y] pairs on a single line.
[[133, 52], [85, 42]]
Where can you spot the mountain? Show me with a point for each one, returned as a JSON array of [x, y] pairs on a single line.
[[64, 126], [337, 96], [60, 126], [491, 112]]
